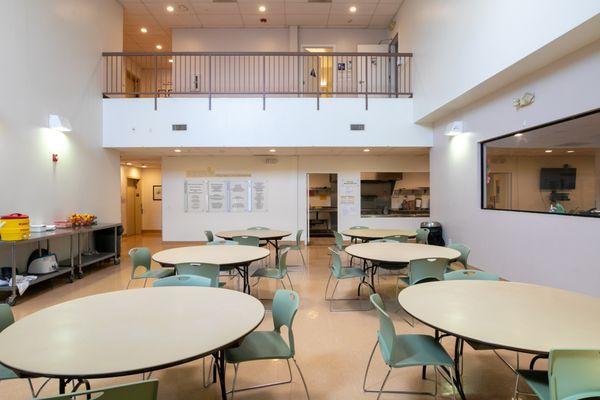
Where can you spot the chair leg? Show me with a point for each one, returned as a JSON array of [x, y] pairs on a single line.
[[301, 377], [129, 283], [35, 393], [327, 286], [368, 366], [302, 256], [235, 368], [383, 383], [290, 280], [145, 281]]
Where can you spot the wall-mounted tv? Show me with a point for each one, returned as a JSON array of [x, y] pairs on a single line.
[[557, 178]]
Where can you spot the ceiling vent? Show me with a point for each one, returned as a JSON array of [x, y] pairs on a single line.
[[357, 127], [319, 1], [271, 160], [179, 127], [224, 1]]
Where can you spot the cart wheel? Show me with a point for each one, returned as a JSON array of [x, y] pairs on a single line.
[[70, 279], [12, 300], [117, 260], [79, 275]]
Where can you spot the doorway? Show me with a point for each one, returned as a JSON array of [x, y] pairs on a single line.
[[500, 190], [322, 218], [318, 71], [133, 207]]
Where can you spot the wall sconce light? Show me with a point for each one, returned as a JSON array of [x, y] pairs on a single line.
[[59, 123], [524, 101], [454, 128]]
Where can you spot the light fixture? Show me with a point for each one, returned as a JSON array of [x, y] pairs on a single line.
[[144, 166], [366, 150], [570, 151], [59, 123], [171, 60], [518, 134], [272, 150], [352, 9], [177, 150], [158, 47], [547, 151], [262, 8], [170, 8], [324, 82], [129, 164], [144, 30], [454, 128]]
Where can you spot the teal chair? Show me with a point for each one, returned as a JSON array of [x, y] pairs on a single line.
[[397, 238], [297, 246], [209, 271], [384, 240], [145, 390], [209, 236], [247, 240], [278, 273], [270, 345], [340, 272], [355, 240], [464, 253], [223, 242], [422, 236], [140, 257], [7, 319], [571, 375], [339, 241], [260, 228], [403, 351], [183, 280], [470, 274]]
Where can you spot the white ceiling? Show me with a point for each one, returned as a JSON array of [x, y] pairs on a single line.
[[153, 15]]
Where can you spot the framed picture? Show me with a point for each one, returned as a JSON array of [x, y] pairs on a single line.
[[157, 192]]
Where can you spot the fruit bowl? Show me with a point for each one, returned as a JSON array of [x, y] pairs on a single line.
[[82, 219]]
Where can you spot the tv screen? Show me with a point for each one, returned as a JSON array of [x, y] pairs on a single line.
[[557, 178]]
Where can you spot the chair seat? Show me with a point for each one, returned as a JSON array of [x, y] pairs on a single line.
[[416, 350], [6, 373], [157, 273], [273, 273], [538, 382], [262, 345], [350, 272], [405, 279], [393, 267]]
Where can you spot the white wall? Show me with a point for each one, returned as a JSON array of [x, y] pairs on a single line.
[[152, 209], [272, 39], [287, 191], [554, 250], [459, 44], [51, 64], [292, 122]]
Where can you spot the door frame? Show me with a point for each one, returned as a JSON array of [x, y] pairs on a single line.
[[307, 200], [303, 50]]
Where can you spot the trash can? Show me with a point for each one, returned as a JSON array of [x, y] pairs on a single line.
[[436, 234]]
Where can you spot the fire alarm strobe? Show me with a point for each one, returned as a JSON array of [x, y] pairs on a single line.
[[54, 157]]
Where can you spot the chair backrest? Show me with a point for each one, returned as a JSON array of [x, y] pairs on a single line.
[[422, 236], [144, 390], [140, 257], [427, 270], [336, 262], [258, 228], [464, 252], [209, 236], [282, 266], [384, 240], [247, 240], [284, 308], [359, 227], [6, 317], [386, 333], [470, 274], [339, 240], [573, 374], [210, 271], [397, 238], [299, 237], [223, 242], [183, 280]]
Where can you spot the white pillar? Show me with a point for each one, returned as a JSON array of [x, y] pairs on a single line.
[[597, 170]]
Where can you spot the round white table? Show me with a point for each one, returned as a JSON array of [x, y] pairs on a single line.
[[270, 235], [515, 316], [373, 234], [129, 332], [237, 256]]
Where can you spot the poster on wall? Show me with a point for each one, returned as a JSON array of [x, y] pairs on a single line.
[[195, 196], [217, 196], [239, 198], [349, 197], [259, 196]]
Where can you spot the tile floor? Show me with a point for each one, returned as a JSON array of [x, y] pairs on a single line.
[[332, 348]]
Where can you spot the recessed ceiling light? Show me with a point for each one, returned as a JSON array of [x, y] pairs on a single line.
[[262, 8], [352, 9], [143, 30], [272, 150], [548, 151], [170, 8], [158, 47], [129, 164], [366, 150], [144, 166], [170, 60], [177, 150], [518, 134], [570, 151]]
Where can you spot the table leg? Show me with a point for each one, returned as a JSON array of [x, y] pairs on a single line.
[[457, 362], [220, 367], [244, 271], [62, 385], [276, 244]]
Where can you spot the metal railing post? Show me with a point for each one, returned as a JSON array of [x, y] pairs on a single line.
[[264, 83], [155, 82], [366, 82], [318, 83], [209, 83]]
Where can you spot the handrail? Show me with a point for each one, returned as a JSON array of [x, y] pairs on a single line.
[[256, 74]]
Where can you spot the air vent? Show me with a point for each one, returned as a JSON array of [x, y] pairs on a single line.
[[271, 160], [179, 127], [319, 1], [357, 127], [224, 1]]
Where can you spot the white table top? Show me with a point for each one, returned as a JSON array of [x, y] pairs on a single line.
[[377, 233], [517, 316], [128, 331], [259, 233], [400, 252], [221, 255]]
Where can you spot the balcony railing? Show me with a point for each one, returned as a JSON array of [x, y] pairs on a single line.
[[318, 75]]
